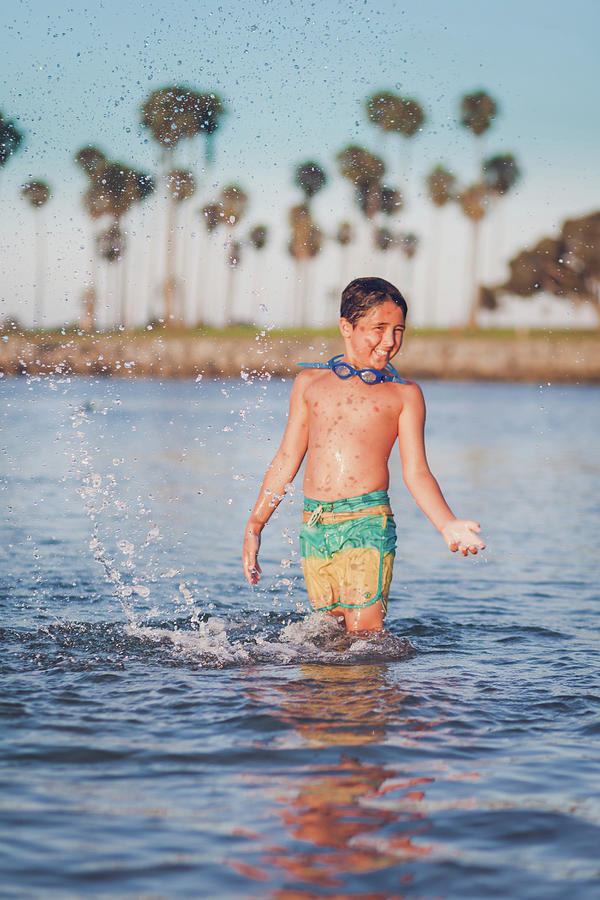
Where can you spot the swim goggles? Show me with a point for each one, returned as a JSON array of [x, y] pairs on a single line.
[[344, 370]]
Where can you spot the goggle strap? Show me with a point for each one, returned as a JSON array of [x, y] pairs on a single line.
[[388, 374]]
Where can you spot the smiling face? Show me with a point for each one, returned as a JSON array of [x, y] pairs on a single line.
[[375, 338]]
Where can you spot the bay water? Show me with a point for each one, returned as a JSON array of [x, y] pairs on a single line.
[[169, 732]]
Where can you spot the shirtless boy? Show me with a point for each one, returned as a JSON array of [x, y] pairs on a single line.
[[345, 417]]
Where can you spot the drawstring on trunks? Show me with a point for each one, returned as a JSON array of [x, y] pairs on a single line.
[[316, 516]]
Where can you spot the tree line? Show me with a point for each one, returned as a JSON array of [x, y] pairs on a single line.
[[175, 114]]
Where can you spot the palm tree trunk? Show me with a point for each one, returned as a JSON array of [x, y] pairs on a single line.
[[430, 309], [229, 285], [169, 286], [229, 295], [474, 275], [116, 290], [91, 301], [40, 268], [304, 292], [122, 264], [258, 286]]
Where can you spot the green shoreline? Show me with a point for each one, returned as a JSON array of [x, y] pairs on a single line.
[[533, 356]]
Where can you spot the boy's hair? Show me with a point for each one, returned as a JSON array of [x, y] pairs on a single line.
[[363, 294]]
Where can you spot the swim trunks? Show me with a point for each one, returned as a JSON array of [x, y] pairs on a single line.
[[348, 549]]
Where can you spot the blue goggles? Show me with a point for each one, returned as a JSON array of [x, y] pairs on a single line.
[[344, 370]]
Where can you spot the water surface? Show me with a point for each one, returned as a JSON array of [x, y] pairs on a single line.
[[168, 732]]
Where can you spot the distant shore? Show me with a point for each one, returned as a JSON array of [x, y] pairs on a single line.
[[559, 356]]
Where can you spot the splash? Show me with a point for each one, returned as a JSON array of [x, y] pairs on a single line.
[[219, 642], [125, 538]]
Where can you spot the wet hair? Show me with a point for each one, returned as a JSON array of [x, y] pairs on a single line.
[[363, 294]]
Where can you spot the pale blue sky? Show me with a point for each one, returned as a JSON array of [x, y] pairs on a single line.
[[294, 77]]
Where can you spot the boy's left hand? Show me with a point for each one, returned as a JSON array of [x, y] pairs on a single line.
[[461, 534]]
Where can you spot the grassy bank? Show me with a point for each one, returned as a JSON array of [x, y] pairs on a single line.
[[506, 355]]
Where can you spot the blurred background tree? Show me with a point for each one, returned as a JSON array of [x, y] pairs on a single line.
[[233, 203], [441, 187], [394, 114], [11, 139], [310, 178], [305, 245], [181, 186], [113, 190], [567, 267], [173, 114], [37, 194], [477, 113], [473, 201], [258, 238], [344, 238]]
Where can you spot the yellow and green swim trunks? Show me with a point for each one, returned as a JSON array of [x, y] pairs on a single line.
[[348, 549]]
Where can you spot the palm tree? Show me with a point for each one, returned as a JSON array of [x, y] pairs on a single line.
[[392, 201], [173, 114], [211, 213], [210, 111], [233, 202], [310, 178], [344, 236], [382, 110], [258, 237], [500, 174], [111, 243], [441, 188], [113, 190], [477, 112], [10, 139], [305, 245], [410, 120], [37, 194], [409, 244], [383, 241], [364, 171], [177, 112], [394, 114], [110, 246], [181, 186], [212, 218], [474, 202], [90, 159]]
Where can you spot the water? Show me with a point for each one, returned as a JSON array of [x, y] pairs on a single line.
[[167, 732]]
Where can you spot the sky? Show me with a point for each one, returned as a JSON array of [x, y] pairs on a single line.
[[294, 77]]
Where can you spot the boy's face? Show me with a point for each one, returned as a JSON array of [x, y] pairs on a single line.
[[375, 338]]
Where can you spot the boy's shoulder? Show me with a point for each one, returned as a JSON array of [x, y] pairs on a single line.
[[306, 377]]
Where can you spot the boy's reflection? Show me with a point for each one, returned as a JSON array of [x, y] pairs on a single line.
[[341, 810]]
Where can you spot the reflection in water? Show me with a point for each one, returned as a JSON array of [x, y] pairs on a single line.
[[346, 818]]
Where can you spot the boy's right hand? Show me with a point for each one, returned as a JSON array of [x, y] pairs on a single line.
[[252, 570]]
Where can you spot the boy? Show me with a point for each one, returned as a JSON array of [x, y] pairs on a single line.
[[345, 416]]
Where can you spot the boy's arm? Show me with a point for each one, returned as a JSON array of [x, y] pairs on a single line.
[[459, 534], [279, 474]]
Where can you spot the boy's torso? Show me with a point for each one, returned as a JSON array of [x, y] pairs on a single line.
[[352, 430]]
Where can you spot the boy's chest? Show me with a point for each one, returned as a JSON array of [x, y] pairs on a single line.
[[373, 409]]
